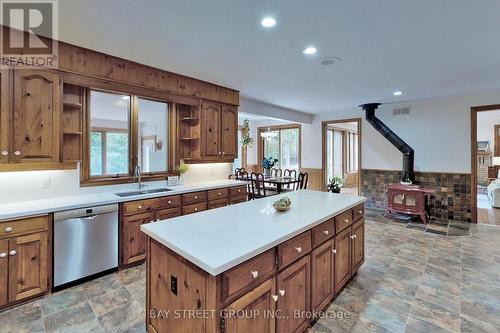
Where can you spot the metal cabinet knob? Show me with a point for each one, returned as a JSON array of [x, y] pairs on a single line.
[[360, 212], [275, 298], [353, 237], [220, 153], [299, 249], [282, 292], [8, 229], [17, 153], [326, 232], [139, 207], [334, 251], [3, 255], [12, 252], [196, 197], [169, 202], [5, 153], [346, 220], [196, 209], [254, 274], [223, 153], [239, 191], [219, 194]]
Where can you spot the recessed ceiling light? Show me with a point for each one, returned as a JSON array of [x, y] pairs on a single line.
[[397, 93], [268, 22], [310, 50]]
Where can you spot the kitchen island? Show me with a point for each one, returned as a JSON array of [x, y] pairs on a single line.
[[248, 268]]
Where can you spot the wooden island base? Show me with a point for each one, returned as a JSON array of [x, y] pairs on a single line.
[[278, 290]]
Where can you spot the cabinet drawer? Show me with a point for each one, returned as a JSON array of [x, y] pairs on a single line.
[[294, 249], [238, 199], [343, 221], [140, 206], [217, 203], [248, 274], [323, 232], [217, 193], [194, 197], [194, 208], [168, 213], [237, 190], [23, 226], [168, 202], [358, 212]]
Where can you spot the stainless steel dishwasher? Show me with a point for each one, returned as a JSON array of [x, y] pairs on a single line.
[[85, 242]]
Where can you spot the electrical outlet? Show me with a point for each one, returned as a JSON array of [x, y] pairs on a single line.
[[46, 182]]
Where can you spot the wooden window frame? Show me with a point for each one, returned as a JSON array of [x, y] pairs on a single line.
[[260, 145], [87, 180]]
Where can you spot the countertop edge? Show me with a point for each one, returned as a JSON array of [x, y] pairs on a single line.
[[214, 271]]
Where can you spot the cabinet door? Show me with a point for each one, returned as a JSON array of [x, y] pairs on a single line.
[[134, 241], [211, 130], [4, 276], [342, 259], [229, 132], [358, 245], [293, 290], [261, 301], [28, 275], [322, 277], [36, 116], [5, 114]]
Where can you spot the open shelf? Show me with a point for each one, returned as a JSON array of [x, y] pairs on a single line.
[[72, 122], [188, 131]]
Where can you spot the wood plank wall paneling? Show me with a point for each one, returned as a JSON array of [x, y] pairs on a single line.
[[315, 178]]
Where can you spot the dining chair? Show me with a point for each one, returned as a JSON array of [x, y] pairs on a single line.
[[258, 188], [292, 174], [237, 172], [302, 181], [276, 172]]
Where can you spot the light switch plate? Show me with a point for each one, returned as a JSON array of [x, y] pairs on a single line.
[[46, 182]]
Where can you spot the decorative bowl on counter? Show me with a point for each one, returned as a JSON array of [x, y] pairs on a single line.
[[283, 204]]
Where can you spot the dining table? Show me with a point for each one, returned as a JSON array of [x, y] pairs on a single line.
[[279, 182]]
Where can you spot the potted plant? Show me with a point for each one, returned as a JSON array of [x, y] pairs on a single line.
[[267, 164], [183, 167], [335, 184], [246, 141]]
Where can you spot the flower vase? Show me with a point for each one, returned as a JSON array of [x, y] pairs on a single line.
[[267, 173]]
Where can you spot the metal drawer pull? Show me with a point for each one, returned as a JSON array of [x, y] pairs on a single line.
[[275, 298], [17, 153], [8, 229], [282, 292], [360, 212], [334, 251], [326, 232], [346, 220], [299, 249], [254, 274], [12, 252], [3, 255], [353, 237], [5, 153]]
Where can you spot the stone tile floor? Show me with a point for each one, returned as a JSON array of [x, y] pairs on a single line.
[[412, 281]]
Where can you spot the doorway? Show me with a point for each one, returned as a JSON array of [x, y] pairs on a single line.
[[342, 153], [485, 164]]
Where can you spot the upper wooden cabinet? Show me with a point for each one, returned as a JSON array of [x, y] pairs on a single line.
[[35, 129], [5, 116], [219, 132]]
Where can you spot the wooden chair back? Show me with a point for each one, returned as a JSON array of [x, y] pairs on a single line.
[[257, 186], [292, 174], [303, 179], [276, 172]]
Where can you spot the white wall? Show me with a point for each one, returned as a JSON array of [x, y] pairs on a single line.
[[273, 111], [437, 129]]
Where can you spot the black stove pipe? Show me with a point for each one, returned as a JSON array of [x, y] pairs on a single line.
[[408, 153]]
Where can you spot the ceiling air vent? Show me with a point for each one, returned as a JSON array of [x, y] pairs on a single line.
[[400, 111]]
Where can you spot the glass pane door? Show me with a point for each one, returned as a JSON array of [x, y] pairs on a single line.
[[289, 158]]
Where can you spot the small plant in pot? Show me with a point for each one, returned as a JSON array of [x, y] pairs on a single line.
[[335, 184]]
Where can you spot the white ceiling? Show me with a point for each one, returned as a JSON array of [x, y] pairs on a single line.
[[425, 48]]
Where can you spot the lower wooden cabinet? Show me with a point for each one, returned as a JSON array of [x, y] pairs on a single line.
[[261, 301], [323, 275], [24, 259], [358, 245], [134, 242], [293, 293], [28, 272], [342, 259]]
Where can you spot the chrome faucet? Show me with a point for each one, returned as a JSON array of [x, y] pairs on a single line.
[[137, 176]]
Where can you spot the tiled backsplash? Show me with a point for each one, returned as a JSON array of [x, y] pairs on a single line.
[[451, 200]]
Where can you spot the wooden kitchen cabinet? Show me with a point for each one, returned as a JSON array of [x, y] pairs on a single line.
[[134, 240], [5, 116], [261, 300], [323, 275], [342, 259], [36, 117], [4, 271], [358, 245], [28, 271], [293, 291], [219, 131]]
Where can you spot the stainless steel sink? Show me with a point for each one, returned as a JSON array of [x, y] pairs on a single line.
[[141, 192]]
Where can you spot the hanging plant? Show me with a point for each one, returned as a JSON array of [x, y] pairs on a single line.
[[246, 140]]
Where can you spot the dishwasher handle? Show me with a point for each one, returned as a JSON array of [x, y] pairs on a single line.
[[89, 218], [86, 213]]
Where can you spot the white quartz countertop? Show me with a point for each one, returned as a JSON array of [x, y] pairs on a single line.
[[36, 207], [219, 239]]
